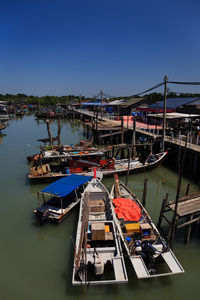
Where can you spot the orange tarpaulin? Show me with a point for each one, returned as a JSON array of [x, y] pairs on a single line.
[[127, 209]]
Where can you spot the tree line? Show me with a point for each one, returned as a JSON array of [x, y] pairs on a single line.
[[53, 100]]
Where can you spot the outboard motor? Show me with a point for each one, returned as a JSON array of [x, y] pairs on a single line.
[[42, 214], [148, 252]]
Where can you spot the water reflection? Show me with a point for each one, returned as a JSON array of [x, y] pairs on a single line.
[[2, 135]]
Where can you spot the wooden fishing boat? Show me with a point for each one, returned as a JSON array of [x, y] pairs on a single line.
[[49, 173], [135, 166], [86, 162], [60, 197], [148, 251], [62, 167], [98, 254], [48, 153]]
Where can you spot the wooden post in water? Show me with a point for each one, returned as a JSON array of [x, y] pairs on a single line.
[[165, 200], [59, 131], [144, 192], [49, 133], [129, 159], [188, 229], [174, 220], [187, 189]]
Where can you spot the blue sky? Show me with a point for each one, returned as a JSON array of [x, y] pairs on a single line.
[[61, 47]]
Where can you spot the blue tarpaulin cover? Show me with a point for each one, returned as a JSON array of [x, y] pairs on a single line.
[[66, 185]]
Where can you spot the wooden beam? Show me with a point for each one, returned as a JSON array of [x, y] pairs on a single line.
[[189, 222]]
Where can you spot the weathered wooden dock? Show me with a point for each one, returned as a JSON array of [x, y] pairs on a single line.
[[152, 133], [188, 208], [120, 131]]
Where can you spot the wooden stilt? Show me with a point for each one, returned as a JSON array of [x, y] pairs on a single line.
[[188, 229], [144, 192], [129, 159], [122, 153], [165, 201], [122, 130], [59, 131], [49, 133], [117, 153], [187, 190], [174, 221], [113, 151]]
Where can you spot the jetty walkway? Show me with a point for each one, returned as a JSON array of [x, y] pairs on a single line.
[[151, 131]]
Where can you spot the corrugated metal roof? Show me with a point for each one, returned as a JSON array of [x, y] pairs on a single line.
[[117, 102], [172, 102], [127, 102], [195, 102]]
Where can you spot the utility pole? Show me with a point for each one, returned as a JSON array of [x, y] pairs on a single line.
[[164, 112], [133, 148], [101, 94]]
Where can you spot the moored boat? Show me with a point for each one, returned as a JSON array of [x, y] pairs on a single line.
[[86, 162], [135, 166], [148, 251], [60, 197], [98, 254]]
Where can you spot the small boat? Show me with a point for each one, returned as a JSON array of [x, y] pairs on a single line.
[[98, 255], [60, 197], [148, 251], [44, 169], [50, 153], [121, 165]]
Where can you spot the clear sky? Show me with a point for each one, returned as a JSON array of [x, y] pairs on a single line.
[[61, 47]]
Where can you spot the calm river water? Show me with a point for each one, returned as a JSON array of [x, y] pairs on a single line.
[[36, 262]]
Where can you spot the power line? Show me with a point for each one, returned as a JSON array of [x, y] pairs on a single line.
[[184, 82], [154, 87]]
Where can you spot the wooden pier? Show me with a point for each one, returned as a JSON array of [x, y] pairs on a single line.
[[152, 133], [108, 131], [188, 208]]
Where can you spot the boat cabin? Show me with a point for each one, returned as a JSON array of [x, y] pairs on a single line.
[[60, 197]]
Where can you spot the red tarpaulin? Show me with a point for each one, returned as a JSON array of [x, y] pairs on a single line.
[[127, 209]]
